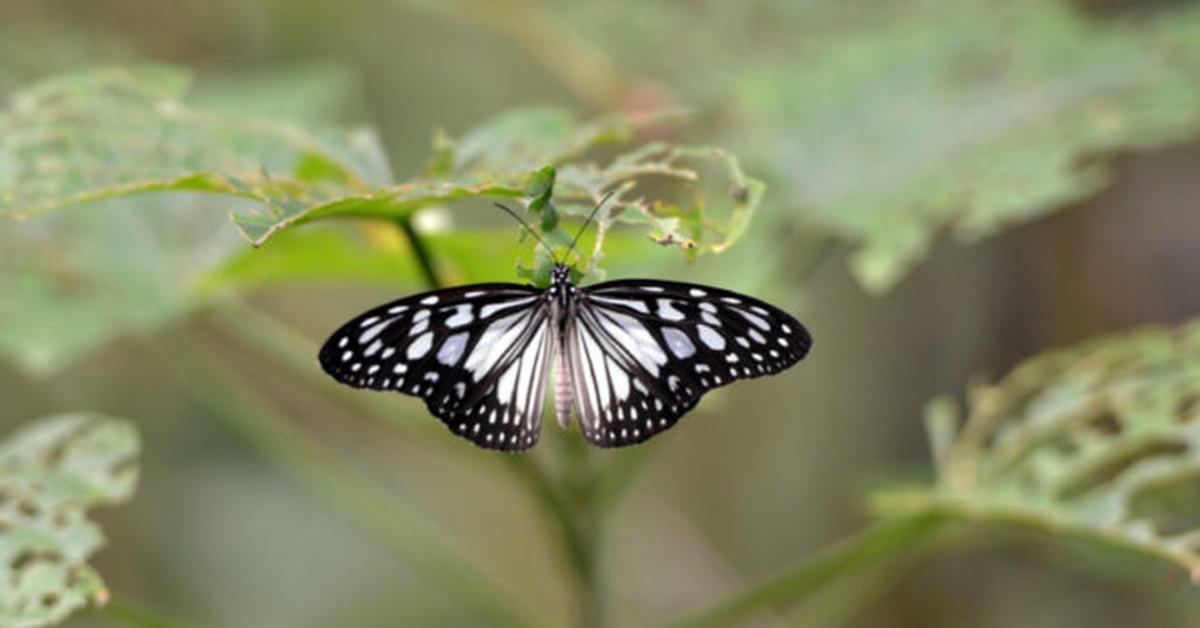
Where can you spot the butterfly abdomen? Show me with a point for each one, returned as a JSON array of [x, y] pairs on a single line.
[[564, 397]]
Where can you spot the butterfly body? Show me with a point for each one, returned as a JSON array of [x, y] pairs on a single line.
[[630, 357]]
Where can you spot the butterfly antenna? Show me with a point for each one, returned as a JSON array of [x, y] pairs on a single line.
[[529, 229], [589, 220]]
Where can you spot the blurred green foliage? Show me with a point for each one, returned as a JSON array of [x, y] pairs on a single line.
[[878, 125], [885, 124]]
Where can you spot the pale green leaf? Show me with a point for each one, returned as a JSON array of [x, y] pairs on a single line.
[[51, 473]]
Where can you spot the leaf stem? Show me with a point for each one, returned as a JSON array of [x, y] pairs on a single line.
[[420, 252], [862, 550]]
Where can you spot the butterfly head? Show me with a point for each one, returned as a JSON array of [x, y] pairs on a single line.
[[560, 275]]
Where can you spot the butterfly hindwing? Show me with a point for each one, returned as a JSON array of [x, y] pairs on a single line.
[[643, 352], [478, 356]]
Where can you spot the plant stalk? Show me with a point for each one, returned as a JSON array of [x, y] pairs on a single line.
[[421, 252], [855, 553]]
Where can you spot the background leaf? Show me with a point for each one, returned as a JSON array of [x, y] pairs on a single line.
[[988, 119], [885, 126], [1100, 441], [51, 473]]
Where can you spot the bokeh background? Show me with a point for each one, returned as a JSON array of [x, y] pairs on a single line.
[[977, 121]]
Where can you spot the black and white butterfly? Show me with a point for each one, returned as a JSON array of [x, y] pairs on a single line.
[[630, 356]]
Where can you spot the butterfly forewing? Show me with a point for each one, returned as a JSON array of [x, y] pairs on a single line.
[[643, 352], [477, 355]]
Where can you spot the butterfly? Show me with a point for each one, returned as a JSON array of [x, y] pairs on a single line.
[[629, 356]]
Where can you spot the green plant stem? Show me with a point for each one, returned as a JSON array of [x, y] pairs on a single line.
[[299, 454], [571, 502], [864, 549], [421, 252], [130, 615]]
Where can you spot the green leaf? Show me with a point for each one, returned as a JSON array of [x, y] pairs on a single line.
[[496, 160], [539, 187], [1100, 441], [966, 117], [51, 473]]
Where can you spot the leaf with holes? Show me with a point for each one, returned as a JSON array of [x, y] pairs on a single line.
[[78, 276], [706, 210], [51, 473], [1100, 441], [112, 132]]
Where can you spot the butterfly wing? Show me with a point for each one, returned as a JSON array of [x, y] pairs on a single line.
[[643, 352], [477, 355]]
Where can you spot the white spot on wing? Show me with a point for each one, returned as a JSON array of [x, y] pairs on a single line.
[[429, 300], [370, 334], [504, 388], [678, 342], [462, 316], [710, 337], [420, 346], [488, 310], [620, 379], [451, 350], [635, 304], [667, 311], [758, 321]]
